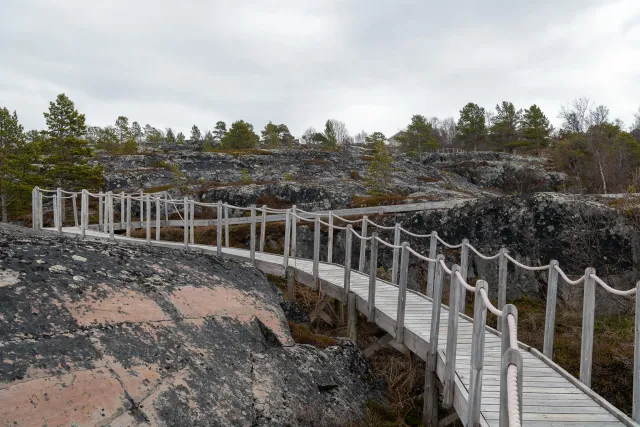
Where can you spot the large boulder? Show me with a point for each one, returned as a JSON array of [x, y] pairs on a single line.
[[99, 333]]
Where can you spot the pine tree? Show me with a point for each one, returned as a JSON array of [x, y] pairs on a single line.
[[17, 175], [180, 138], [240, 135], [418, 137], [505, 125], [67, 151], [219, 131], [471, 128], [270, 136], [196, 135], [378, 177], [122, 128], [170, 136], [536, 128], [330, 139]]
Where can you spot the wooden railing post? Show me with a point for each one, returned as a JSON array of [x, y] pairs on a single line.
[[330, 239], [185, 220], [219, 229], [477, 355], [166, 207], [550, 316], [252, 235], [506, 333], [588, 320], [148, 223], [510, 357], [122, 219], [41, 209], [464, 266], [110, 207], [363, 245], [347, 262], [58, 206], [100, 212], [433, 249], [402, 292], [396, 254], [287, 239], [373, 266], [54, 201], [128, 215], [192, 213], [430, 400], [507, 354], [294, 233], [636, 360], [502, 282], [74, 206], [34, 213], [158, 218], [452, 340], [263, 228], [316, 254], [84, 207], [226, 225]]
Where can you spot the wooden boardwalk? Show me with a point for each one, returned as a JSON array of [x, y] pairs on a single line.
[[551, 397]]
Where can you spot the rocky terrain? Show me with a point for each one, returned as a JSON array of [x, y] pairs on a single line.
[[317, 179], [98, 333], [579, 231]]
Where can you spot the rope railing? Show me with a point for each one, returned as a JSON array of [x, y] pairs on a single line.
[[382, 227], [447, 245], [420, 236], [485, 257], [526, 267], [611, 290], [389, 245], [566, 279], [506, 313]]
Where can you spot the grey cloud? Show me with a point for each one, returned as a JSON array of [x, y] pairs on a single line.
[[369, 63]]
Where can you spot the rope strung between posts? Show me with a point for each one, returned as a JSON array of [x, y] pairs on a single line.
[[526, 267], [382, 227], [302, 218], [610, 289], [355, 233], [488, 258], [348, 221], [566, 279], [445, 268], [389, 245], [332, 226], [492, 308], [413, 234], [447, 244], [237, 207], [422, 257], [464, 283]]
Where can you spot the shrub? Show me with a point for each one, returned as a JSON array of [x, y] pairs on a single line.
[[288, 176], [245, 178]]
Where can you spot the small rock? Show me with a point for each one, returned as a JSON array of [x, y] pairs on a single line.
[[58, 269], [79, 258]]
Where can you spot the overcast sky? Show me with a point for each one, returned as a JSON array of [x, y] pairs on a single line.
[[369, 63]]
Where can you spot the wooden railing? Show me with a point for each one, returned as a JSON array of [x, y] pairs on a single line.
[[511, 374]]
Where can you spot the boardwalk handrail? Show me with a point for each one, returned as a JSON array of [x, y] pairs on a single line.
[[511, 372]]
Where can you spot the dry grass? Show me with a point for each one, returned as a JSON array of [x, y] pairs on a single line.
[[159, 188], [427, 179], [366, 158]]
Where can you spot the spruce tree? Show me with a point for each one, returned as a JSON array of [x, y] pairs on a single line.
[[378, 177]]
